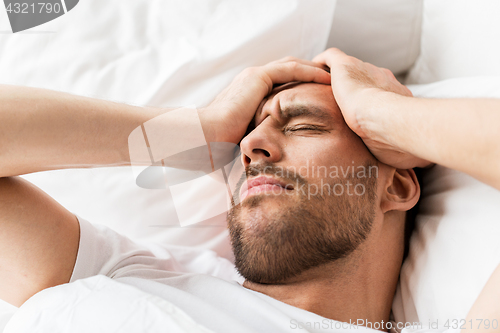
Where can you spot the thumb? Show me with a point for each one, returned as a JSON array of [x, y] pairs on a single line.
[[330, 57]]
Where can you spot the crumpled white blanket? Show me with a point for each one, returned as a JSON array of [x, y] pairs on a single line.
[[99, 304]]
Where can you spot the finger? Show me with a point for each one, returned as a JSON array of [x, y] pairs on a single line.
[[389, 73], [329, 56], [300, 61], [294, 71]]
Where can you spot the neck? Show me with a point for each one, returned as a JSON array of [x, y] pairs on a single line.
[[358, 287]]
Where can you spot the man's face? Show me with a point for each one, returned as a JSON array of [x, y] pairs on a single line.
[[309, 192]]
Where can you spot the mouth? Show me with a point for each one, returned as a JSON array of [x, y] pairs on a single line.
[[261, 185]]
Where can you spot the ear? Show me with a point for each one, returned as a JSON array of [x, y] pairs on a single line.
[[402, 191]]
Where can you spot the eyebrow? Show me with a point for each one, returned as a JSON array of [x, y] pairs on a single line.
[[294, 111]]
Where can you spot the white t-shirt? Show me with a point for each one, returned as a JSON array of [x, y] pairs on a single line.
[[121, 286]]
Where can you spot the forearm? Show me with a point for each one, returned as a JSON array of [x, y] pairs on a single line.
[[484, 315], [43, 130], [461, 134]]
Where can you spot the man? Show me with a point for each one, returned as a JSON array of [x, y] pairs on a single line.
[[335, 250], [334, 254]]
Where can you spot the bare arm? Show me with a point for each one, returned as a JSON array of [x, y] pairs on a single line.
[[484, 316], [461, 134], [42, 130]]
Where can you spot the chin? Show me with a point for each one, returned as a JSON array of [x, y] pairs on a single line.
[[257, 212]]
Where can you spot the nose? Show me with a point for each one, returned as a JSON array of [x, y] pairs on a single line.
[[260, 146]]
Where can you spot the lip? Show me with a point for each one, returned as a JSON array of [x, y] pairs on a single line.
[[262, 184]]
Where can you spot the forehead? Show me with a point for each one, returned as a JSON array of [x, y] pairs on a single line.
[[308, 95], [307, 88]]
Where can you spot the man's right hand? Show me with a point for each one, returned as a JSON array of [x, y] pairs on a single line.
[[227, 118]]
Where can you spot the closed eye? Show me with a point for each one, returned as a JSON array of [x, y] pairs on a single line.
[[304, 128]]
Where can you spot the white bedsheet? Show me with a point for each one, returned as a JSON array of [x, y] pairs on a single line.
[[100, 304]]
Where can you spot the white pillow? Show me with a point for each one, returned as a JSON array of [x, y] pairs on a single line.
[[385, 33], [460, 38], [455, 246], [158, 53]]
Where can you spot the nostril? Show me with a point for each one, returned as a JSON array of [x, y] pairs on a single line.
[[265, 152], [255, 155], [247, 160]]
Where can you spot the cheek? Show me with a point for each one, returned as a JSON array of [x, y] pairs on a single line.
[[311, 157]]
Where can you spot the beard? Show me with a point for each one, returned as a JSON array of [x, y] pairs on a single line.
[[277, 237]]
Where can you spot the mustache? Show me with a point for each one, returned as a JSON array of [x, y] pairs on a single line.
[[269, 169]]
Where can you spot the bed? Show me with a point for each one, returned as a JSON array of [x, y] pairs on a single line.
[[180, 53]]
